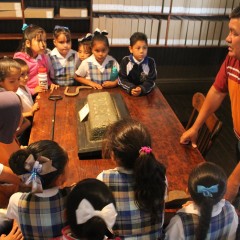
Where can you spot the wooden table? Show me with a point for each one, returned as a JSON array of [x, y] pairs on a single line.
[[152, 110]]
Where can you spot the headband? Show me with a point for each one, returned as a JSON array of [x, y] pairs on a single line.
[[88, 37], [60, 27], [36, 168], [97, 31], [207, 192], [145, 150], [85, 211]]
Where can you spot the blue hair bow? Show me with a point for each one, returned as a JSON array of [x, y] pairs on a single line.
[[24, 27], [207, 192]]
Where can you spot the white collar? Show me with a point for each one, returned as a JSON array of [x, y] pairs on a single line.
[[48, 192], [194, 209], [136, 61], [124, 170], [55, 52]]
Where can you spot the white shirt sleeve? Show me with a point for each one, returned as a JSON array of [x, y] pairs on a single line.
[[100, 176], [234, 225], [174, 230], [1, 168], [82, 69], [12, 209]]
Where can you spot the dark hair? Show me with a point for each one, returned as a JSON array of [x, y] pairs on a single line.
[[21, 62], [138, 36], [235, 13], [101, 38], [125, 138], [58, 30], [46, 148], [206, 174], [6, 65], [31, 32], [86, 45], [99, 195]]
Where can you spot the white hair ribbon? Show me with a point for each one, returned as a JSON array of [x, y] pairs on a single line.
[[36, 168], [86, 211]]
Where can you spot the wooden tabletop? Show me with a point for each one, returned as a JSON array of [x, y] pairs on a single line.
[[152, 110]]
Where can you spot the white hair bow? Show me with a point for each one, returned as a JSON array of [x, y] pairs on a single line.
[[36, 168], [86, 211]]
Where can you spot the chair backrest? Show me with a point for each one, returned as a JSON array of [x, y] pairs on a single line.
[[210, 128]]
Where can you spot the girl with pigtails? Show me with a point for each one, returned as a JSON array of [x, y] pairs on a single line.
[[138, 183], [209, 216]]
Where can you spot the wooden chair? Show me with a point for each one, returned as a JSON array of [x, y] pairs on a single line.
[[210, 128]]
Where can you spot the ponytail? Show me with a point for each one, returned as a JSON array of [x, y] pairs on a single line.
[[150, 184]]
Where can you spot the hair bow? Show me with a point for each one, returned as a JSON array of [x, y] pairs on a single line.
[[85, 211], [88, 37], [207, 192], [24, 27], [41, 166], [98, 31], [146, 150], [60, 27]]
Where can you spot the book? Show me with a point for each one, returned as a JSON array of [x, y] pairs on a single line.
[[73, 12], [196, 32], [162, 32], [109, 28], [166, 6], [10, 13], [154, 31], [203, 33], [211, 28], [189, 38], [222, 7], [177, 31], [171, 32], [10, 6], [217, 33], [224, 33], [183, 32], [32, 12]]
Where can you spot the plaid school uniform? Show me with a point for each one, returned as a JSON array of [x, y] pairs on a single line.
[[131, 223], [63, 76], [42, 217], [219, 226], [100, 77]]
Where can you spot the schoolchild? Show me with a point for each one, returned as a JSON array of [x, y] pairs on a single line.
[[100, 70], [84, 47], [32, 50], [209, 216], [28, 106], [138, 72], [138, 183], [10, 72], [91, 211], [64, 60], [41, 212]]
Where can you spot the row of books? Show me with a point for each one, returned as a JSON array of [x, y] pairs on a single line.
[[216, 7], [181, 30], [194, 32]]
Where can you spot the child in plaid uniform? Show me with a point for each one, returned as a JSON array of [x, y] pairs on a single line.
[[41, 212], [64, 60], [138, 183], [91, 211], [209, 216], [100, 70], [84, 47]]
